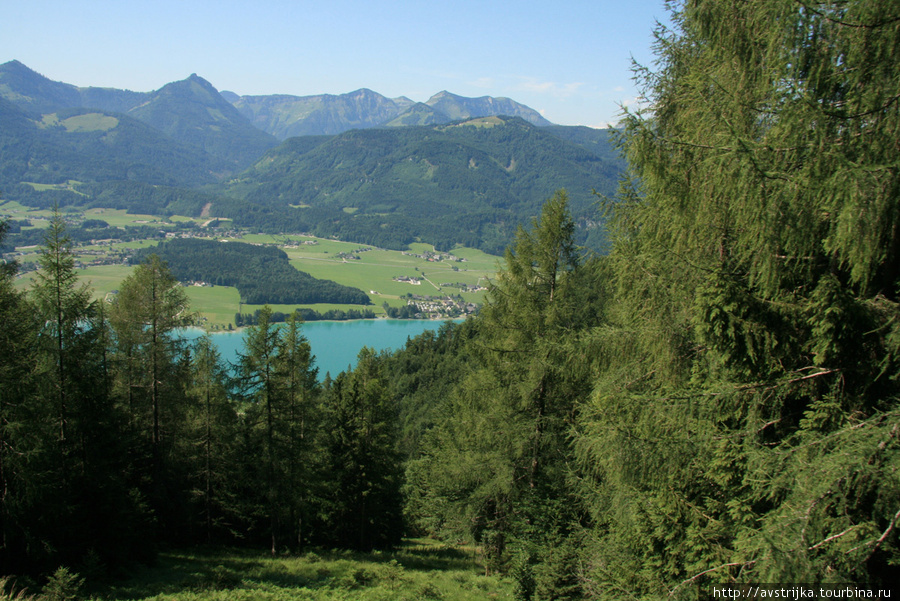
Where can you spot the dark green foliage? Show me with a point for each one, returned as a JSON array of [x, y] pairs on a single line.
[[60, 457], [249, 319], [116, 437], [278, 380], [493, 466], [363, 502], [208, 447], [715, 401], [261, 274], [741, 426]]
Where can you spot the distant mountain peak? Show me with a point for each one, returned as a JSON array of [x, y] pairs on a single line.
[[461, 107], [15, 64]]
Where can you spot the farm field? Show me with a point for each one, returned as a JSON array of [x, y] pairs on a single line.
[[372, 270]]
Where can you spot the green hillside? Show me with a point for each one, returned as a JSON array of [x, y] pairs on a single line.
[[469, 182], [193, 112], [89, 145], [419, 114]]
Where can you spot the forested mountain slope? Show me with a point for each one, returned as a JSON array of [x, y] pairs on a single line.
[[467, 182], [191, 111], [90, 145]]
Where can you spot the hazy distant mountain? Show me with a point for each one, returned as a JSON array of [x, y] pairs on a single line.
[[286, 116], [460, 107], [468, 182], [419, 114], [327, 114], [193, 112], [33, 92], [190, 111]]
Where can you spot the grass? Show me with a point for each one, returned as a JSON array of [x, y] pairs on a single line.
[[102, 279], [373, 272], [217, 304], [90, 122], [418, 570]]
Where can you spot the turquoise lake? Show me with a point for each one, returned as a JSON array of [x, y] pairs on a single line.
[[336, 344]]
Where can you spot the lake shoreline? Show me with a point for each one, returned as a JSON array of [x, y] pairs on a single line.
[[370, 319]]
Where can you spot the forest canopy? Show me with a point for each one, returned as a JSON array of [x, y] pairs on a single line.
[[262, 274]]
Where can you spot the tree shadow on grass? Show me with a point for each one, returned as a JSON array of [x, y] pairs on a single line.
[[211, 569]]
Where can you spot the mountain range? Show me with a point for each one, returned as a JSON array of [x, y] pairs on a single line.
[[279, 115], [359, 165]]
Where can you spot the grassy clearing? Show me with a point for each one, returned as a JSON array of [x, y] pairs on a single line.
[[120, 218], [102, 279], [419, 570], [90, 122], [217, 304]]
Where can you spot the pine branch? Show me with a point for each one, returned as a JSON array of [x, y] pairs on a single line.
[[880, 539], [832, 537], [876, 25], [724, 565]]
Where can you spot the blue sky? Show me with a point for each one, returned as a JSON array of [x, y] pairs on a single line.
[[568, 59]]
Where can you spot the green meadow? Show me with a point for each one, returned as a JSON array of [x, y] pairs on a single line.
[[418, 570], [373, 272]]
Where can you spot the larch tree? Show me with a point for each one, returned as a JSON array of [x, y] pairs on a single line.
[[146, 315], [17, 358], [744, 424]]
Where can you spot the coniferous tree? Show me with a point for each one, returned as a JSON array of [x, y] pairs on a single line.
[[145, 316], [297, 377], [17, 348], [741, 424], [210, 447], [73, 501], [496, 468], [279, 382], [363, 503]]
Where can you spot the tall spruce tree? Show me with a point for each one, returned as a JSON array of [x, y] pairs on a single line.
[[73, 486], [495, 469], [363, 503], [299, 388], [279, 382]]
